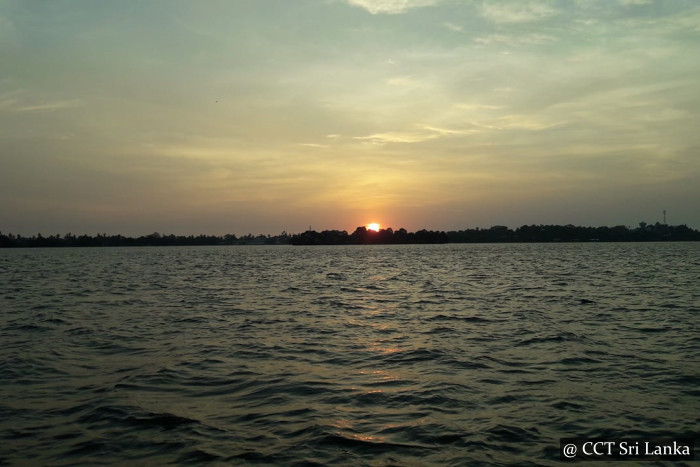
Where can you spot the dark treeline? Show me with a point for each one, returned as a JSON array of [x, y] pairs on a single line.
[[154, 239], [570, 233], [361, 236], [501, 234]]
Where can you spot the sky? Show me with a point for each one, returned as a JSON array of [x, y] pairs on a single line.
[[258, 116]]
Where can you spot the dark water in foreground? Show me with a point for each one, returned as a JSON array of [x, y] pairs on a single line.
[[383, 355]]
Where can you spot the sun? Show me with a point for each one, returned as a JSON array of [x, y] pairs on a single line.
[[373, 226]]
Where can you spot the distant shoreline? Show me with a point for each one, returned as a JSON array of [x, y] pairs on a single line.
[[361, 236]]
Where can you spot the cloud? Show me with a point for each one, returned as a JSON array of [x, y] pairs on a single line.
[[478, 106], [398, 137], [525, 122], [511, 12], [18, 101], [391, 7], [403, 81], [424, 133], [528, 39], [444, 131], [453, 27], [50, 106], [685, 21]]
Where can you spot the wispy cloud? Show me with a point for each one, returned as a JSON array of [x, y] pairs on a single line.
[[516, 12], [445, 131], [16, 101], [51, 106], [514, 40], [687, 21], [478, 106], [398, 137], [526, 122], [421, 134], [453, 27], [635, 2], [391, 7], [403, 81]]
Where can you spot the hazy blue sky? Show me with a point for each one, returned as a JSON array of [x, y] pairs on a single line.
[[237, 116]]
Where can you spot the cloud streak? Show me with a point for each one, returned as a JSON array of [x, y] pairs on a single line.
[[391, 7], [516, 12], [19, 101], [421, 134]]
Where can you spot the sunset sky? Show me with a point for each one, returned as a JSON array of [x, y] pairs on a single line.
[[257, 116]]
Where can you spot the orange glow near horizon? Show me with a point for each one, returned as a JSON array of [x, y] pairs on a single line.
[[373, 226]]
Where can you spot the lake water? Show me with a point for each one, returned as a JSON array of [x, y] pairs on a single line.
[[357, 355]]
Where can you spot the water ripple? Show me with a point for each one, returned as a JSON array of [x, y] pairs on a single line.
[[385, 355]]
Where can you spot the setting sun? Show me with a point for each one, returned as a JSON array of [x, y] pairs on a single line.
[[373, 226]]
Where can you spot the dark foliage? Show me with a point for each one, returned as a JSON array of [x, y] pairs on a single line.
[[361, 236], [570, 233], [154, 239]]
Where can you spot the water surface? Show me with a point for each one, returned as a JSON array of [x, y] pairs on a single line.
[[357, 355]]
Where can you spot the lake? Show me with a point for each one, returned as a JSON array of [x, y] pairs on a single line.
[[355, 355]]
